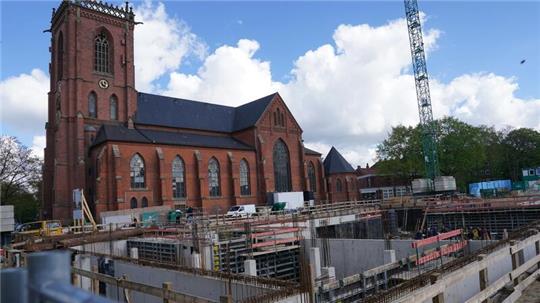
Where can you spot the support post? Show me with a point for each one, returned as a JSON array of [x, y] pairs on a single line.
[[364, 286], [537, 246], [166, 288], [95, 282], [515, 261], [483, 276], [439, 298]]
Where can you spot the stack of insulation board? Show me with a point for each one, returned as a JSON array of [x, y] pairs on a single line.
[[7, 218], [420, 186], [445, 183]]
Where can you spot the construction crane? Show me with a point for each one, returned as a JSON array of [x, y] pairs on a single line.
[[429, 146]]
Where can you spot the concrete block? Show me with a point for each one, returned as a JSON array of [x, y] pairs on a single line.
[[389, 256], [134, 253], [250, 267], [330, 272]]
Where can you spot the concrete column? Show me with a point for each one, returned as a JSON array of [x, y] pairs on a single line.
[[196, 259], [483, 276], [207, 255], [537, 246], [134, 253], [515, 260], [250, 267], [389, 256], [83, 262], [95, 282], [315, 261]]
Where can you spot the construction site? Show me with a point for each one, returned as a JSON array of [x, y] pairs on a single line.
[[432, 244], [347, 252]]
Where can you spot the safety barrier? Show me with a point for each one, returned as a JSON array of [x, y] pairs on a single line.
[[47, 278]]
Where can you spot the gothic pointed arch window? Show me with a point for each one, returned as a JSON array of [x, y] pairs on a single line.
[[339, 185], [60, 57], [282, 167], [312, 177], [144, 202], [214, 188], [113, 107], [133, 203], [102, 58], [244, 178], [92, 105], [137, 172], [178, 180]]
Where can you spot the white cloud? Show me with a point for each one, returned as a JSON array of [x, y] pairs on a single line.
[[38, 144], [349, 93], [231, 75], [24, 101], [162, 43], [486, 98]]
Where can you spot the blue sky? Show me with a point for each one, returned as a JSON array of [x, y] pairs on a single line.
[[478, 36], [475, 37]]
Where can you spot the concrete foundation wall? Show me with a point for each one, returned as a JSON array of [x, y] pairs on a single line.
[[503, 267], [353, 256], [463, 289], [464, 284], [115, 248], [200, 286]]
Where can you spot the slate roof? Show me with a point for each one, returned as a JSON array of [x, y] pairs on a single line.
[[308, 151], [189, 114], [123, 134], [334, 163]]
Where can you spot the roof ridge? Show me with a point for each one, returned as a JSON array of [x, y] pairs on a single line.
[[188, 100]]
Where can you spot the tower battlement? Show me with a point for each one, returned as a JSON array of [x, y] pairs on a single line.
[[125, 12]]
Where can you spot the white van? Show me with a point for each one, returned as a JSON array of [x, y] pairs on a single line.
[[242, 210]]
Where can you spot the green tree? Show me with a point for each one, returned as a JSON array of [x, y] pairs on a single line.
[[462, 151], [469, 153], [20, 178], [522, 149], [401, 152]]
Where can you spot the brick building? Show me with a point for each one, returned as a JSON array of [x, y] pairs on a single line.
[[129, 149], [340, 177]]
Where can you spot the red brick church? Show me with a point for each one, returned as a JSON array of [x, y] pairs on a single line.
[[129, 149]]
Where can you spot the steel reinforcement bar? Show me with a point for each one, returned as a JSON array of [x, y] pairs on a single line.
[[405, 288]]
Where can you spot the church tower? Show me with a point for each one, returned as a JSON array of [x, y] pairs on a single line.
[[92, 83]]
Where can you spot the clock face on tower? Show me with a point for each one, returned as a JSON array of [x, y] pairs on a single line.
[[103, 83]]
